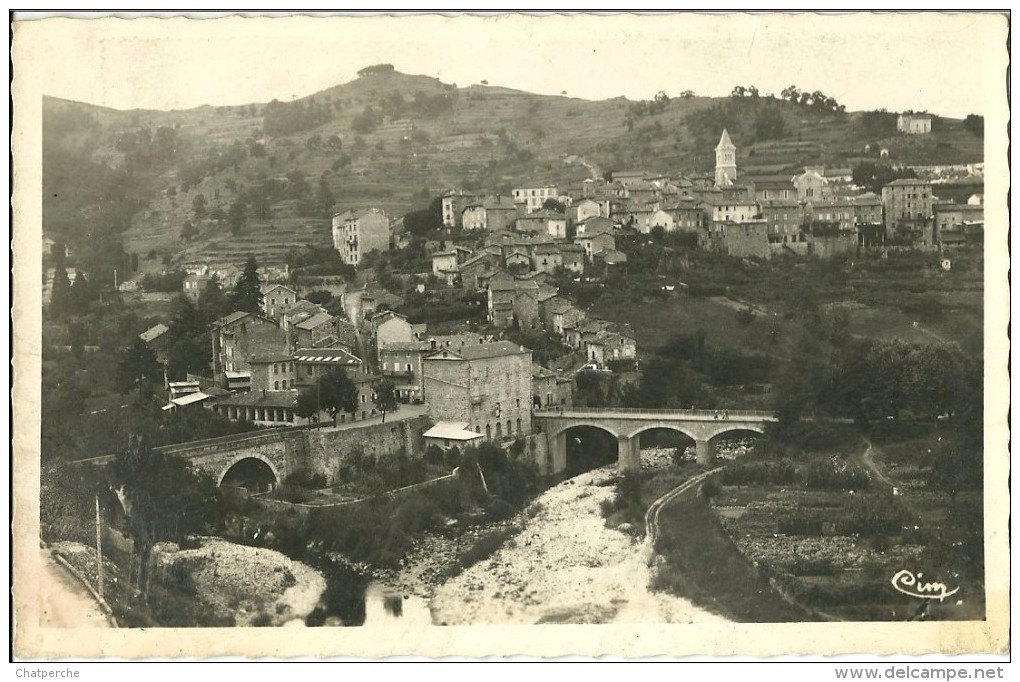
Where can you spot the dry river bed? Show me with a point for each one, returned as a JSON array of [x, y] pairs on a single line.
[[565, 566]]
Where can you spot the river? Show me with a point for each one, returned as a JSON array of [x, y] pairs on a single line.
[[565, 566]]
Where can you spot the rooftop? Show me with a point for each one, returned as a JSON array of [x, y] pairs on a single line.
[[263, 399], [333, 356], [481, 351], [451, 431], [153, 333], [316, 320]]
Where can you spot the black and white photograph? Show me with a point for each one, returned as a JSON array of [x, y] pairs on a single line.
[[654, 334]]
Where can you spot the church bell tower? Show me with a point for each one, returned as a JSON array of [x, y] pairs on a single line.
[[725, 161]]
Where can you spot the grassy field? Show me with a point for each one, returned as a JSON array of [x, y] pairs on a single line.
[[654, 323], [798, 536]]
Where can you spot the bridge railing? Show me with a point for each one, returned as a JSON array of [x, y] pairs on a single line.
[[711, 414]]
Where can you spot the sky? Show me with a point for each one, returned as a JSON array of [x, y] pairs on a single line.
[[941, 63]]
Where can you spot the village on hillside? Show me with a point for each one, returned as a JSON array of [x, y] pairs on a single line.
[[767, 377]]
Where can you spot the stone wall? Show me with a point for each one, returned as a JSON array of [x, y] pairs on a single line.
[[327, 449]]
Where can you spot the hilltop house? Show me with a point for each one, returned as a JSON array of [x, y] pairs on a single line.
[[913, 124]]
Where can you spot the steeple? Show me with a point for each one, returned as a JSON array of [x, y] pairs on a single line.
[[725, 142], [725, 161]]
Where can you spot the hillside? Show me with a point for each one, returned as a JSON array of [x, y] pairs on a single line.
[[394, 141]]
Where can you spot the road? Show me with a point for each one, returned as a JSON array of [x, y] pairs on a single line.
[[64, 601]]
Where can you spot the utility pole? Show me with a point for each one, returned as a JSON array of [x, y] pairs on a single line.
[[99, 549]]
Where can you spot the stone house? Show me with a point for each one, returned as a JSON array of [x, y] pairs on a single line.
[[488, 386], [229, 337], [747, 239], [400, 362], [356, 233], [475, 272], [532, 199], [493, 214], [194, 285], [572, 257], [298, 311], [837, 210], [544, 222], [913, 124], [908, 209], [546, 258], [595, 242], [312, 330], [276, 298], [518, 260], [453, 204], [811, 185], [581, 210], [594, 225], [784, 218], [550, 389], [390, 327], [772, 188]]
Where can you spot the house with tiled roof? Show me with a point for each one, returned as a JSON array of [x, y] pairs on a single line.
[[550, 389], [276, 298]]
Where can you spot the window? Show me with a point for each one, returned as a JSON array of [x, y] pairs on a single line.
[[276, 385]]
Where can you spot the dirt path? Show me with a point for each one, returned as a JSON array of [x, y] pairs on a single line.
[[564, 567], [867, 460], [63, 600]]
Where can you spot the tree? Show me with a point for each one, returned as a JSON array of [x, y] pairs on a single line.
[[199, 204], [188, 231], [187, 356], [79, 295], [319, 296], [185, 319], [553, 204], [164, 499], [248, 290], [61, 292], [238, 216], [333, 392], [212, 302], [385, 397], [974, 124], [137, 365], [687, 94]]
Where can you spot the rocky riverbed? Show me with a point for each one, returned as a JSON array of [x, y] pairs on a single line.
[[565, 566], [257, 586]]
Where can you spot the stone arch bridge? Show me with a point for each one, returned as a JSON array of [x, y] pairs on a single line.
[[627, 425]]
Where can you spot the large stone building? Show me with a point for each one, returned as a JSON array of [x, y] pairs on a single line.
[[907, 205], [355, 233], [487, 385], [533, 198]]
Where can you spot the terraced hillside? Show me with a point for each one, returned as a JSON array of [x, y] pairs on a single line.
[[394, 141]]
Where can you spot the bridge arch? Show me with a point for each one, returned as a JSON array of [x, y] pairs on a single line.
[[736, 428], [668, 426], [593, 423], [255, 462]]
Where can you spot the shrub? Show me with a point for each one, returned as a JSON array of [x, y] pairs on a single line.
[[795, 524], [498, 510], [871, 515], [832, 473], [772, 472]]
